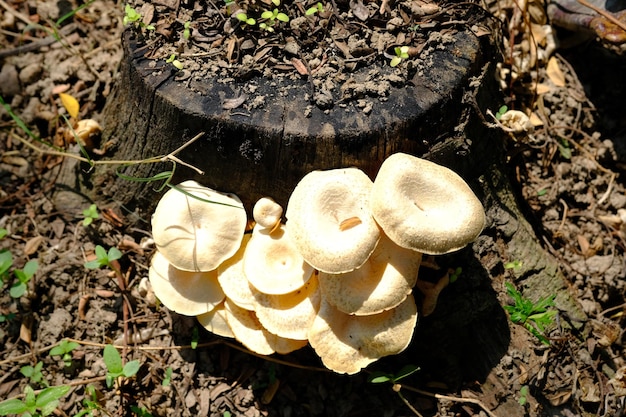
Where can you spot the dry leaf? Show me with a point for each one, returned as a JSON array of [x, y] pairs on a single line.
[[70, 104], [32, 246], [233, 103], [535, 120], [554, 72], [299, 66], [543, 88], [26, 329]]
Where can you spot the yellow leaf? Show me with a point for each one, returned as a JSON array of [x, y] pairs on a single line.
[[554, 73], [70, 104]]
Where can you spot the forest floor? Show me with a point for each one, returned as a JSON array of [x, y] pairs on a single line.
[[567, 169]]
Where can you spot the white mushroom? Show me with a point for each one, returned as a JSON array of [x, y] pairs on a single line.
[[329, 221], [216, 321], [234, 283], [289, 315], [197, 228], [382, 283], [272, 263], [347, 344], [185, 292], [267, 213], [424, 206], [250, 333]]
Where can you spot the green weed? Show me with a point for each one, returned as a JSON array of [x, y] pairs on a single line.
[[41, 404], [90, 214], [534, 316], [115, 367], [64, 350]]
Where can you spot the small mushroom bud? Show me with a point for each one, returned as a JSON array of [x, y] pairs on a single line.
[[267, 212]]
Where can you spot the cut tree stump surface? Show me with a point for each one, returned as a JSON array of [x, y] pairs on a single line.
[[265, 151]]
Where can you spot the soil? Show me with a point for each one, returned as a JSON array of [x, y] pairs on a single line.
[[567, 170]]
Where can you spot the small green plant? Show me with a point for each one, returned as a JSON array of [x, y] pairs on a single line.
[[272, 16], [167, 379], [523, 395], [317, 8], [187, 30], [132, 16], [242, 17], [501, 111], [176, 63], [6, 260], [90, 214], [194, 338], [42, 404], [402, 52], [91, 402], [34, 374], [104, 258], [455, 274], [64, 350], [23, 276], [381, 377], [116, 369], [514, 265], [534, 316]]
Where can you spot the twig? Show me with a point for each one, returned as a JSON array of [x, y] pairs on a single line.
[[40, 43], [453, 399]]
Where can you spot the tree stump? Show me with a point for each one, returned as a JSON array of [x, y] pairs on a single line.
[[265, 152]]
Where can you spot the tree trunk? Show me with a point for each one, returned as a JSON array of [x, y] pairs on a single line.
[[265, 152]]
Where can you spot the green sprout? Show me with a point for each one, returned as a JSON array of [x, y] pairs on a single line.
[[523, 395], [42, 404], [187, 30], [90, 214], [245, 19], [116, 369], [318, 8], [176, 63], [64, 350], [455, 274], [402, 52], [6, 260], [104, 258], [91, 402], [23, 276], [133, 16], [34, 374], [501, 111], [272, 16], [167, 379], [534, 316]]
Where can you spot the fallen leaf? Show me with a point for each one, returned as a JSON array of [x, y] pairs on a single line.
[[299, 66], [543, 88], [554, 72], [70, 104], [233, 103], [32, 245]]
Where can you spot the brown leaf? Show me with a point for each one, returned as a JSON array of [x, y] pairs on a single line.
[[554, 72], [299, 66], [32, 245], [26, 329]]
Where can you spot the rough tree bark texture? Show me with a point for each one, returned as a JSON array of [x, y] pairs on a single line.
[[266, 152]]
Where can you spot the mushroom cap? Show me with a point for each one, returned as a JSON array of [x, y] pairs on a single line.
[[272, 263], [424, 206], [197, 235], [250, 333], [267, 212], [233, 281], [216, 321], [185, 292], [329, 220], [289, 315], [382, 283], [346, 343]]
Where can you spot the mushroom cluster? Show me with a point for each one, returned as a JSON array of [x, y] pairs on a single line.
[[338, 274]]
